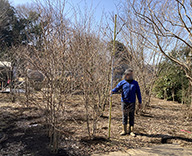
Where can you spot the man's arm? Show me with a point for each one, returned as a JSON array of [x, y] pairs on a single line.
[[138, 93], [117, 88]]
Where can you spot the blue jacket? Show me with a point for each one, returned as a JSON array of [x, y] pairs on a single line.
[[129, 91]]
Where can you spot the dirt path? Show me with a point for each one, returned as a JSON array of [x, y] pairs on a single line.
[[159, 125], [160, 150]]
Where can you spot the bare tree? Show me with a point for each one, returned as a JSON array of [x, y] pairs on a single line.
[[73, 58], [164, 26], [92, 66], [137, 55]]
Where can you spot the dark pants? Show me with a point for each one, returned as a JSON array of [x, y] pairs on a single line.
[[128, 109]]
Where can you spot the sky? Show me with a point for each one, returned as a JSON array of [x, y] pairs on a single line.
[[100, 6], [107, 6]]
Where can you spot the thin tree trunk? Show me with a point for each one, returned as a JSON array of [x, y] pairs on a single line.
[[173, 94], [190, 94], [165, 94], [182, 96]]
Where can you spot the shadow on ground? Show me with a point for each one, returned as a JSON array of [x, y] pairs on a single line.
[[24, 138], [165, 138]]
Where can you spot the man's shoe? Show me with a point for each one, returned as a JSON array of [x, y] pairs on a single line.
[[124, 132], [131, 128]]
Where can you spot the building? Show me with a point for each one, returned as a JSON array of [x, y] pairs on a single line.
[[5, 74]]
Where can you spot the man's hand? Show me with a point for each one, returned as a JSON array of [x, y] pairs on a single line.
[[110, 92], [140, 105]]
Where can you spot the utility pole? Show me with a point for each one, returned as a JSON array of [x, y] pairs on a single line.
[[112, 63]]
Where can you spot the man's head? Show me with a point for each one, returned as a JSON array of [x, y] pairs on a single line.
[[128, 75]]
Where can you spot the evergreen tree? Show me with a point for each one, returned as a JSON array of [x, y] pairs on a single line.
[[172, 83]]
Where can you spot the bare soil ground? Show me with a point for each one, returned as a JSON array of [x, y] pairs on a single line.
[[27, 134], [157, 150]]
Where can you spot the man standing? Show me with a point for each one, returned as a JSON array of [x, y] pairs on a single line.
[[129, 89]]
